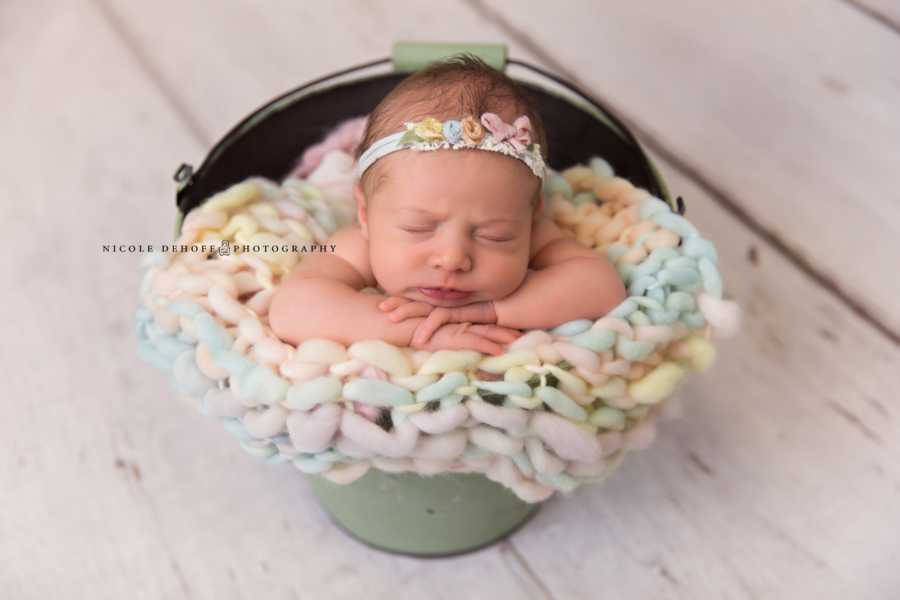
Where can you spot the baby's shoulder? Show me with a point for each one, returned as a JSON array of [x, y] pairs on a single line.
[[349, 262], [543, 231], [350, 245]]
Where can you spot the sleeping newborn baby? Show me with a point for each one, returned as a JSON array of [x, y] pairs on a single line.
[[450, 226]]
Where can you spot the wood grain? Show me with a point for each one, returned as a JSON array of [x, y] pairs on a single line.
[[887, 12]]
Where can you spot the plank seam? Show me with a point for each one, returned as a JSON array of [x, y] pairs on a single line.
[[508, 546], [144, 63], [874, 15]]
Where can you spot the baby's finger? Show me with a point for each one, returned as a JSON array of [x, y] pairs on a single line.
[[409, 311], [478, 312], [483, 345], [498, 334], [432, 322], [392, 302]]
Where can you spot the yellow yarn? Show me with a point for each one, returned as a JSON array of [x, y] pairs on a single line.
[[657, 384], [234, 197]]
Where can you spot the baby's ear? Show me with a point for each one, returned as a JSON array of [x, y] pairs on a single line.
[[361, 216]]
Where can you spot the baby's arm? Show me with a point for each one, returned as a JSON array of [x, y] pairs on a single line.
[[322, 300], [570, 281]]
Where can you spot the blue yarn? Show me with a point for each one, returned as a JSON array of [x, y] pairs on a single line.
[[640, 285], [523, 463], [694, 320], [188, 377], [583, 198], [185, 308], [681, 262], [560, 481], [234, 362], [665, 317], [277, 459], [625, 308], [572, 327], [148, 352], [678, 277], [711, 279], [658, 294], [653, 206], [211, 333], [676, 223], [661, 255], [680, 302], [252, 448], [598, 340], [697, 247], [331, 455], [633, 349], [600, 167], [639, 318], [310, 465], [557, 183], [170, 347], [649, 303], [234, 426], [274, 387], [615, 251]]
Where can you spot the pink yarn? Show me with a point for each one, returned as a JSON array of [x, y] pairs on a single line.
[[345, 136], [367, 410]]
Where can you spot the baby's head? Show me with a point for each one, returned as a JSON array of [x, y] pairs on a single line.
[[450, 218]]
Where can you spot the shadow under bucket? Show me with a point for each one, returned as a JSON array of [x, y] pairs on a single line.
[[423, 516], [407, 513]]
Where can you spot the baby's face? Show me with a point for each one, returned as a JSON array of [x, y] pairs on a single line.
[[449, 219]]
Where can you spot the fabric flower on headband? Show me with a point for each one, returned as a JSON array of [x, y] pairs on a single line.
[[429, 129], [518, 134], [472, 130], [489, 132], [452, 131]]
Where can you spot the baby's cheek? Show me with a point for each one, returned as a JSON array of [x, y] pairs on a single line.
[[511, 276], [390, 280]]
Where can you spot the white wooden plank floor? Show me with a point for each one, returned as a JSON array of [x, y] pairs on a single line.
[[784, 480]]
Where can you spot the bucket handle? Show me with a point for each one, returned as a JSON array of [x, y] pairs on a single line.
[[409, 56]]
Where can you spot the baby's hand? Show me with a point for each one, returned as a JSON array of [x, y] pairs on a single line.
[[400, 308], [465, 336], [478, 312]]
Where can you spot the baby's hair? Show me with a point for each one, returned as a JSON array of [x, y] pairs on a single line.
[[449, 89]]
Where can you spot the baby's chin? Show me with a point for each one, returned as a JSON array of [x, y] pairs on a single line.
[[419, 296]]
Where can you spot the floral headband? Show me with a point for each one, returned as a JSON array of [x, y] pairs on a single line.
[[430, 134]]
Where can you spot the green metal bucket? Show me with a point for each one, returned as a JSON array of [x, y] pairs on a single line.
[[423, 516]]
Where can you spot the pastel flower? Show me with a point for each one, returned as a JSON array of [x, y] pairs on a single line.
[[500, 131], [429, 129], [452, 131], [472, 130], [522, 138], [517, 135]]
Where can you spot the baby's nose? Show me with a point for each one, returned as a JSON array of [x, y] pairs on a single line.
[[452, 257]]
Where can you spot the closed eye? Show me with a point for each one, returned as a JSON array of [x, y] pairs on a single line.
[[496, 239]]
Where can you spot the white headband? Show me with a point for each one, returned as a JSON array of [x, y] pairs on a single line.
[[513, 140]]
